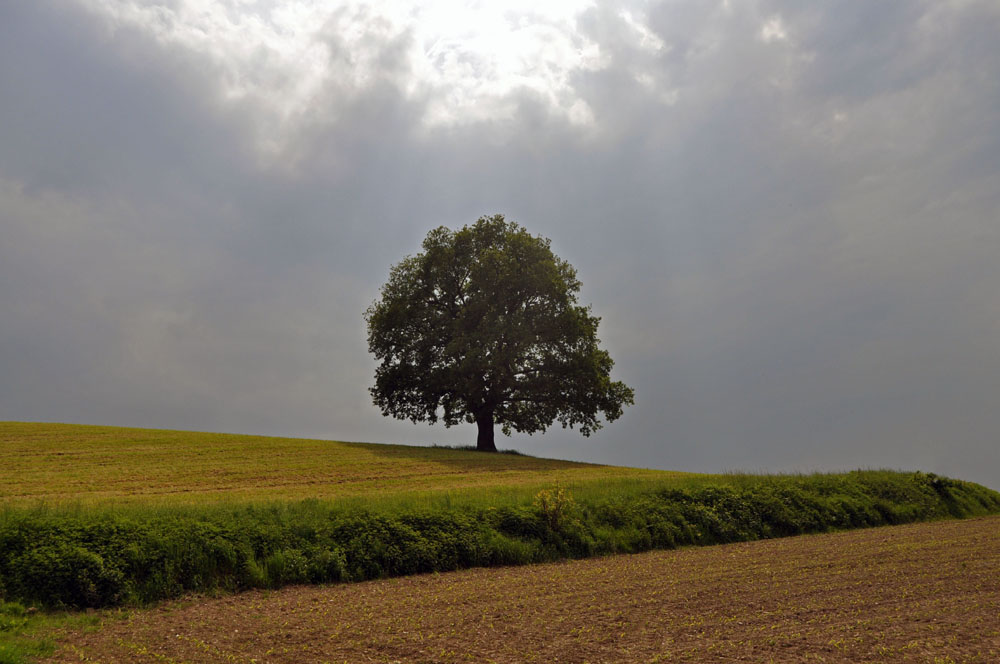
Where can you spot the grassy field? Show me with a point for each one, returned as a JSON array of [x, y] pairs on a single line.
[[68, 464], [922, 593]]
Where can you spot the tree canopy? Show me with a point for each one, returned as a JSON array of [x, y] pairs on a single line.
[[484, 326]]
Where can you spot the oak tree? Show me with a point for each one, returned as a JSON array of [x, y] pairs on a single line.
[[484, 326]]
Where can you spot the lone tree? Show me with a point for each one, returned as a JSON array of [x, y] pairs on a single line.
[[483, 326]]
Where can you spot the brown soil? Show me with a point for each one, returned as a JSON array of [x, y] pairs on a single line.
[[917, 593]]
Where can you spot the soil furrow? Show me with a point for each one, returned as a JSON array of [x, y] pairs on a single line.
[[916, 593]]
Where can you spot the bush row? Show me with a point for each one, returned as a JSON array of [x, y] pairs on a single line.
[[95, 558]]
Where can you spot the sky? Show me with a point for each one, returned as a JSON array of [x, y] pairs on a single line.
[[786, 214]]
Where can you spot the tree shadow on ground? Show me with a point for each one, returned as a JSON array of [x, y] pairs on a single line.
[[469, 460]]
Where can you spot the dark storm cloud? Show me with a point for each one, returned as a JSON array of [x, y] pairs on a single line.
[[790, 232]]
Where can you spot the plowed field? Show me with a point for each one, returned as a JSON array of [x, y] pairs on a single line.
[[916, 593]]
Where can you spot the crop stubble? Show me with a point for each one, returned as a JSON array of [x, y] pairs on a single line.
[[59, 464], [914, 593]]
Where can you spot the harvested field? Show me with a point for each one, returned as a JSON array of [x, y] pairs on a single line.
[[916, 593], [71, 464]]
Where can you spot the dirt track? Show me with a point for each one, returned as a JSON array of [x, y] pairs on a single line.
[[918, 593]]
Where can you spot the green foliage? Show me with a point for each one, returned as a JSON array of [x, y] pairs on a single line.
[[483, 326], [13, 617], [102, 557], [556, 507]]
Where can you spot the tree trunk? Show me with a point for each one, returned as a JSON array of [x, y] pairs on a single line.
[[484, 441]]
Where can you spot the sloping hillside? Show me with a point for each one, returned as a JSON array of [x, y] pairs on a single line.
[[60, 463]]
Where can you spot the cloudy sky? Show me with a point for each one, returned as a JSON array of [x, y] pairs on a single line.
[[787, 214]]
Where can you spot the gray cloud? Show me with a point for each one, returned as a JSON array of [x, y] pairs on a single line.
[[790, 231]]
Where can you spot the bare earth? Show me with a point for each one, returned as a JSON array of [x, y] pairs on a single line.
[[917, 593]]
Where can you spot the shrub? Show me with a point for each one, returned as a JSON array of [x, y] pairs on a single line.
[[555, 507]]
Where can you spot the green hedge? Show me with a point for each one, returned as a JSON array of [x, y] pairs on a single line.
[[95, 558]]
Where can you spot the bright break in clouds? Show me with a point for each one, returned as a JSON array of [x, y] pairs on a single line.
[[786, 215]]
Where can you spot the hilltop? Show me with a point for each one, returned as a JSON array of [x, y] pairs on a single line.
[[80, 464]]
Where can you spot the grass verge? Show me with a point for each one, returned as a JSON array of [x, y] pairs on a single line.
[[26, 633]]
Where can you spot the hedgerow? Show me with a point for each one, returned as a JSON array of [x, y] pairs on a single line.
[[59, 557]]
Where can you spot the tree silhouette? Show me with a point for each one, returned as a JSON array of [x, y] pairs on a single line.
[[483, 326]]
